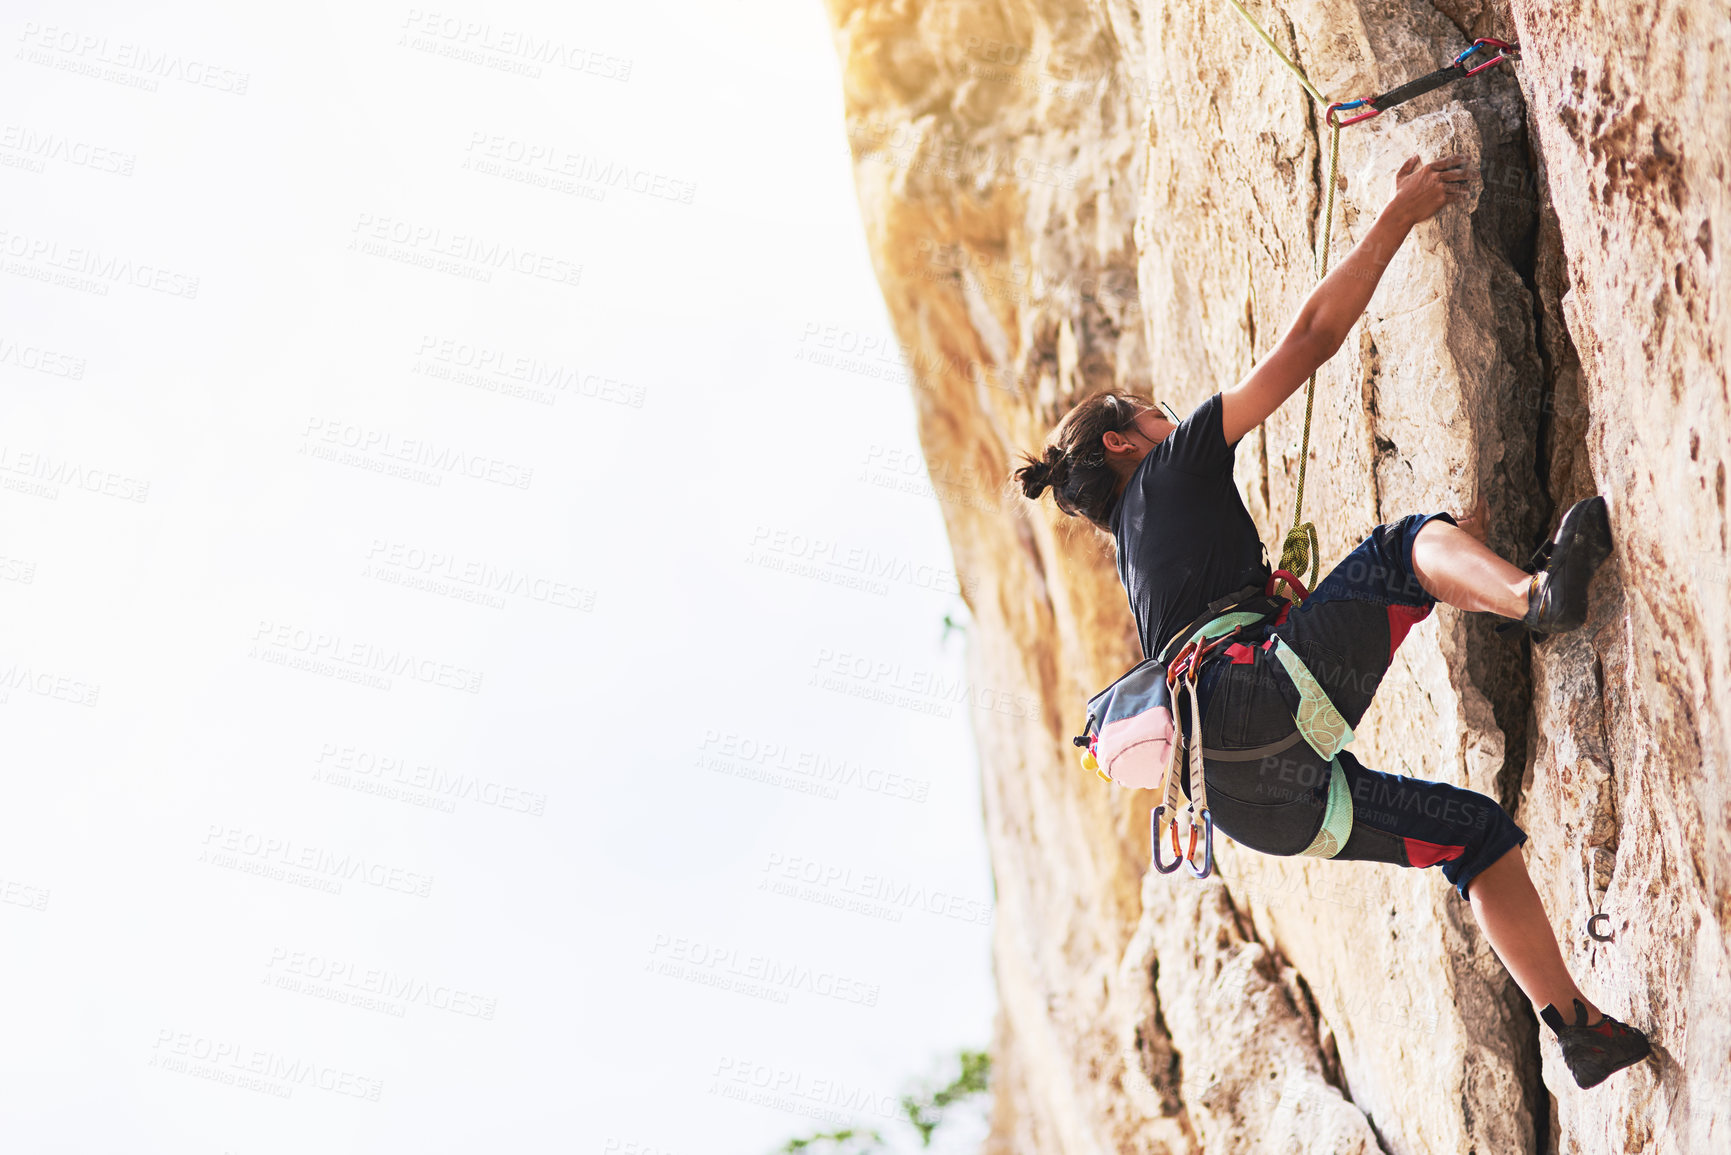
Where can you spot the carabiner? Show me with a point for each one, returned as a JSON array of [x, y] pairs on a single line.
[[1503, 47], [1181, 661], [1207, 846], [1343, 105], [1290, 579], [1154, 829]]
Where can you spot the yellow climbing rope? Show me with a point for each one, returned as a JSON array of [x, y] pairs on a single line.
[[1300, 552], [1275, 48]]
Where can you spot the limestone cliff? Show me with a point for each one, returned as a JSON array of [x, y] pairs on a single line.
[[1063, 197]]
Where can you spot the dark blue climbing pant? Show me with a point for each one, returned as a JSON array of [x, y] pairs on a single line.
[[1268, 789]]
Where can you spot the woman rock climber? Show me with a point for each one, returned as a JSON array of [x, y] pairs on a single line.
[[1165, 492]]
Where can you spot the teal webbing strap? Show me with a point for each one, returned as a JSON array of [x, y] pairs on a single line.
[[1336, 819], [1217, 606], [1223, 624], [1318, 720]]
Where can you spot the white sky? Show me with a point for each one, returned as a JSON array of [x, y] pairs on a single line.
[[222, 686]]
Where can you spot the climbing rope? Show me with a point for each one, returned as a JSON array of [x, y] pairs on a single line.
[[1300, 551], [1275, 48]]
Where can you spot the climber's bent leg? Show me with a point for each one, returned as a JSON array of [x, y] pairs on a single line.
[[1271, 796], [1417, 822], [1461, 571], [1513, 918], [1274, 803], [1270, 792]]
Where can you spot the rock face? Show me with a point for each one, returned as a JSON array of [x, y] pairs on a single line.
[[1062, 198]]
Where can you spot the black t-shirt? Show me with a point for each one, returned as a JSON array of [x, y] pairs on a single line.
[[1184, 537]]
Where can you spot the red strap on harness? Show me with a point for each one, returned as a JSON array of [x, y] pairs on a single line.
[[1290, 579]]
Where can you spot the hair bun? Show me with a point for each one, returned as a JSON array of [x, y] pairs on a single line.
[[1057, 468], [1037, 476]]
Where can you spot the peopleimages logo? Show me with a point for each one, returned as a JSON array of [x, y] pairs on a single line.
[[135, 65], [47, 684], [426, 245], [346, 981], [867, 892], [23, 894], [549, 165], [315, 651], [418, 781], [107, 268], [413, 451], [777, 763], [924, 691], [228, 846], [36, 148], [757, 975], [839, 563], [505, 48], [40, 360], [498, 370], [253, 1068], [828, 1099], [53, 472], [477, 574]]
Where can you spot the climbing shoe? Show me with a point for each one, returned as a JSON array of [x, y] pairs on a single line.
[[1557, 595], [1593, 1052]]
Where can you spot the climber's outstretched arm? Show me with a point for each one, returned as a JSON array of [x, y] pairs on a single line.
[[1336, 305]]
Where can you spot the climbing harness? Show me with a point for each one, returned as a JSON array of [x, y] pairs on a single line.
[[1299, 553], [1129, 733], [1130, 738], [1181, 678]]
